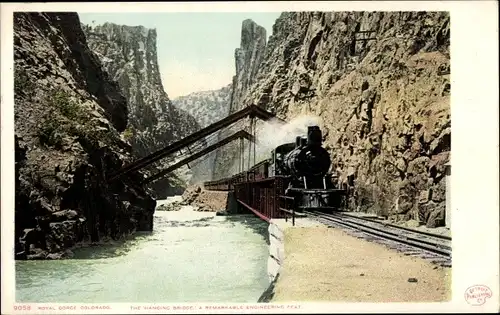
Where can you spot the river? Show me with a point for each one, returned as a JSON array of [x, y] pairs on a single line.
[[189, 257]]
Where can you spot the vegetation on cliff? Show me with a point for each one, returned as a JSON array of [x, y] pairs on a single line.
[[68, 119]]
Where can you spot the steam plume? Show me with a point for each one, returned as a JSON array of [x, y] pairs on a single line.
[[272, 133]]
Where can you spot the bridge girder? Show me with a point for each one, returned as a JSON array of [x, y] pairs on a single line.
[[238, 135], [250, 111]]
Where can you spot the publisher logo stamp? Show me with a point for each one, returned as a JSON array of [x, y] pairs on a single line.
[[477, 294]]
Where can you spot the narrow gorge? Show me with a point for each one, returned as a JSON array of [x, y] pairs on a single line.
[[111, 115], [69, 116], [89, 100], [129, 55], [207, 107]]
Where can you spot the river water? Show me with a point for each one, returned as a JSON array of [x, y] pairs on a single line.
[[189, 257]]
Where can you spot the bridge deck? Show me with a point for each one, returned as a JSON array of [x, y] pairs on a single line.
[[259, 195]]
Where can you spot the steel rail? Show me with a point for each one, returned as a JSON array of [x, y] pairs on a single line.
[[445, 237], [434, 248], [402, 233]]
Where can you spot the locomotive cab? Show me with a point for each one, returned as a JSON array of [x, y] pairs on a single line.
[[278, 166]]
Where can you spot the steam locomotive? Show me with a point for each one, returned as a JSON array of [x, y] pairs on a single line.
[[300, 170], [306, 164]]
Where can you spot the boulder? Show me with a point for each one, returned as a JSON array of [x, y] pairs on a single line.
[[222, 213], [36, 254], [64, 215], [55, 256], [436, 217], [174, 206]]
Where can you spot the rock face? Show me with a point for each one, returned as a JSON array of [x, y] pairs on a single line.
[[129, 55], [206, 200], [384, 102], [206, 107], [68, 115], [248, 59]]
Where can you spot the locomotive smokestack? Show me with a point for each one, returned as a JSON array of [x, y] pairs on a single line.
[[303, 141], [297, 142], [314, 135]]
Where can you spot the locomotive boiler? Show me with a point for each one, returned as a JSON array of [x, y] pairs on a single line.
[[308, 158], [306, 162]]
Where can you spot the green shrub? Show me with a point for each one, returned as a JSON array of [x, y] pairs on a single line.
[[50, 134], [68, 107], [128, 133], [72, 119]]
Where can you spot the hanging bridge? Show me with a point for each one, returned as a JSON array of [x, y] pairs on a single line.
[[252, 188], [192, 143]]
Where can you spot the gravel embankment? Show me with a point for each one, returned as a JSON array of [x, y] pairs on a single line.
[[326, 264]]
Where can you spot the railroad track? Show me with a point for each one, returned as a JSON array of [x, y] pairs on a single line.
[[433, 247]]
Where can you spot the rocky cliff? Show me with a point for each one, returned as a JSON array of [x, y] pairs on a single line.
[[380, 83], [129, 55], [68, 119], [248, 58], [207, 107]]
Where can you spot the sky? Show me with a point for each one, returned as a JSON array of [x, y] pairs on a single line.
[[195, 50]]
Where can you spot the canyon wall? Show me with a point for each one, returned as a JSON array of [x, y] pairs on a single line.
[[206, 107], [68, 118], [248, 58], [380, 82], [129, 55]]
